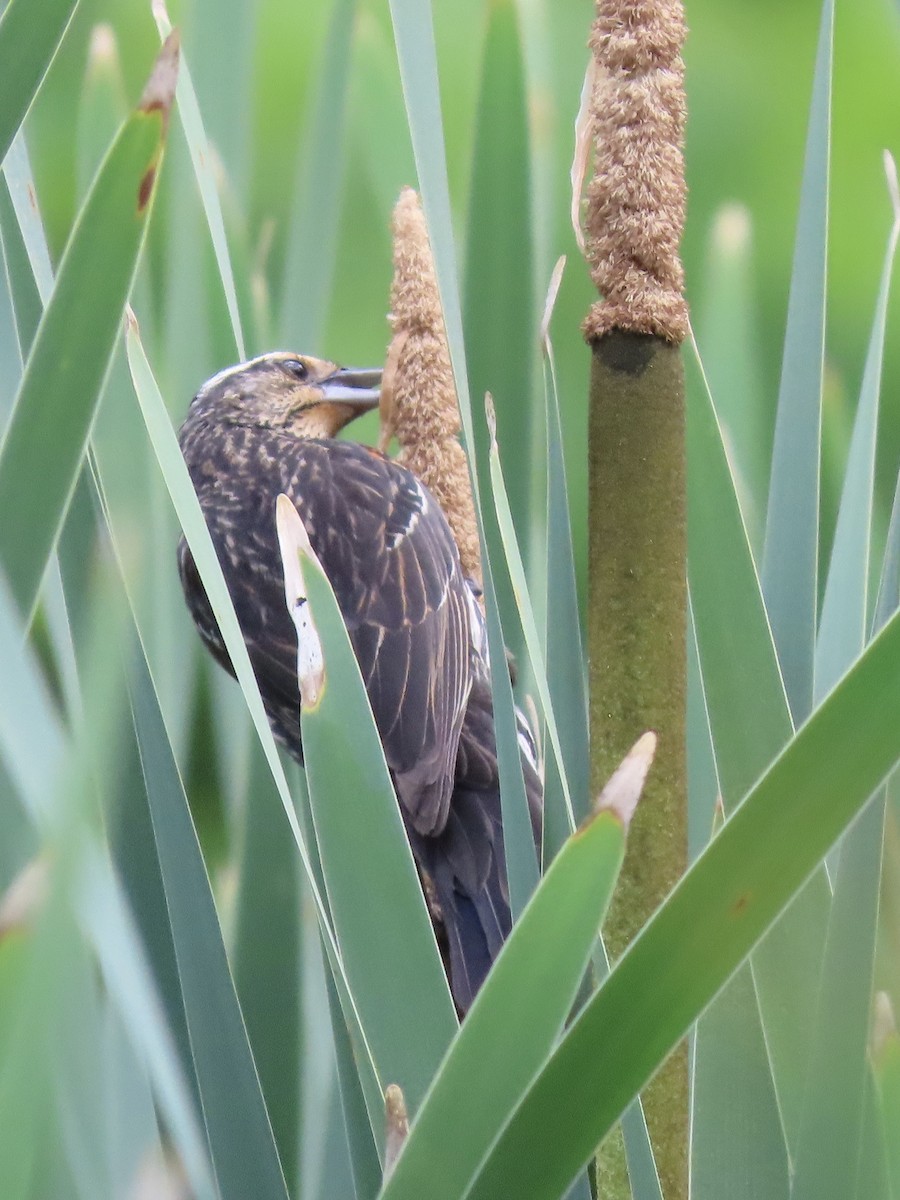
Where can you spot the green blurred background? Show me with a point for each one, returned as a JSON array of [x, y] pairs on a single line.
[[749, 70]]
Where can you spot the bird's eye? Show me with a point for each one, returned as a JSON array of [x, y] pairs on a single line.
[[296, 367]]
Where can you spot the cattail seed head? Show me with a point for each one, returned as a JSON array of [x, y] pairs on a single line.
[[418, 396], [636, 198]]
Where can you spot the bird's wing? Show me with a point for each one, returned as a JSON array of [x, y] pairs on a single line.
[[390, 556]]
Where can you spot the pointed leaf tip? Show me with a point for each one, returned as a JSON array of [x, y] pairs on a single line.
[[397, 1126], [160, 90], [624, 787]]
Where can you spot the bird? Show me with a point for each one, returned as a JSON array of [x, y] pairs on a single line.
[[270, 426]]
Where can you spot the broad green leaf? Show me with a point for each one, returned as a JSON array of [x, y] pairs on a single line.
[[380, 917], [790, 561], [44, 443], [29, 38], [519, 1012], [701, 934]]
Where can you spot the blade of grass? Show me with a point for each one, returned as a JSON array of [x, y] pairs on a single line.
[[44, 443], [519, 1012], [791, 555], [29, 39], [705, 929]]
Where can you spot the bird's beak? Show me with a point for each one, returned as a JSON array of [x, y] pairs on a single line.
[[359, 389]]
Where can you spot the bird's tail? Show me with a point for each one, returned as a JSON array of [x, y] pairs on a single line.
[[467, 881]]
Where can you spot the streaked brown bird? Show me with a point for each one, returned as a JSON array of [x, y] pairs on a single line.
[[269, 426]]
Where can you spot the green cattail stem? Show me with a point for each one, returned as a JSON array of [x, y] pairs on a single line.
[[637, 622]]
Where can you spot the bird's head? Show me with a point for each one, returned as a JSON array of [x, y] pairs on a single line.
[[300, 395]]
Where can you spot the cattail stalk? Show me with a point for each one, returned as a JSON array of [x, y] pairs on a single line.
[[637, 550]]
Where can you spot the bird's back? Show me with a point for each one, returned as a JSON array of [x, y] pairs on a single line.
[[393, 564]]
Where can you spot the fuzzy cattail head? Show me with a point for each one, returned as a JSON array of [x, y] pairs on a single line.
[[418, 396], [636, 198]]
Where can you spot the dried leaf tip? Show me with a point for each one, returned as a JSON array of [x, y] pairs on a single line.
[[397, 1126], [160, 90], [419, 405], [293, 541], [636, 197], [624, 787]]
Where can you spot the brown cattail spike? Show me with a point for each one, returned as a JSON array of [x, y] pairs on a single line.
[[636, 198], [419, 404]]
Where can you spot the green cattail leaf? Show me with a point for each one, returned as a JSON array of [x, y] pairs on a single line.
[[887, 1079], [790, 568], [45, 440], [414, 37], [29, 38], [312, 243], [750, 725], [706, 928], [828, 1146], [202, 160], [520, 1011], [381, 921], [241, 1142], [510, 546], [565, 647]]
